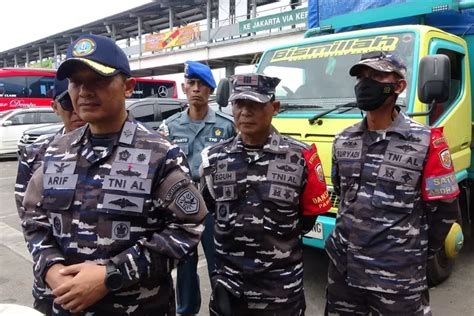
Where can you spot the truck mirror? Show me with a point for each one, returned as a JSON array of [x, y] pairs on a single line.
[[434, 79], [223, 92]]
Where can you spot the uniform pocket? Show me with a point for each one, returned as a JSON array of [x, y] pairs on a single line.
[[58, 199], [395, 189]]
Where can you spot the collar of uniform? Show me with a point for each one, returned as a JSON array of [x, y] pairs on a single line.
[[209, 118], [273, 143], [81, 133], [84, 131], [400, 125]]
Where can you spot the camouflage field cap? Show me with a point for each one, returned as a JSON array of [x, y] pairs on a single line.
[[254, 87], [380, 61]]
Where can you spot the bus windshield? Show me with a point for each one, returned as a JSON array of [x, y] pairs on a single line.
[[157, 88], [315, 76]]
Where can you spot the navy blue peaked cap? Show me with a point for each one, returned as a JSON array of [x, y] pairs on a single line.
[[194, 69], [59, 87], [99, 53], [254, 87]]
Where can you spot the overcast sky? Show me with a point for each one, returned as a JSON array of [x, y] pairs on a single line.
[[24, 21]]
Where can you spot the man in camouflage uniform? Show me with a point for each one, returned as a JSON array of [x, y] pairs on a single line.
[[113, 207], [264, 191], [397, 190], [30, 160], [192, 131]]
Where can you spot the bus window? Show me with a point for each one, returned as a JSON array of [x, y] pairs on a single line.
[[25, 87], [39, 86], [13, 86]]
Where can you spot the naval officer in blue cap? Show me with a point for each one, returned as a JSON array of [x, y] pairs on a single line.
[[192, 131]]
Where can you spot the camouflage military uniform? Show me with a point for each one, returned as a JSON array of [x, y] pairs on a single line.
[[30, 160], [131, 203], [381, 241], [254, 197]]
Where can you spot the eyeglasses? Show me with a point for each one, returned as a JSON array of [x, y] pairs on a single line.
[[65, 101]]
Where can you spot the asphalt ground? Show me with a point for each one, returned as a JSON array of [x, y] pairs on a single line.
[[453, 297]]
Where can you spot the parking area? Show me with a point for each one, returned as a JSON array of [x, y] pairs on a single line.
[[453, 297]]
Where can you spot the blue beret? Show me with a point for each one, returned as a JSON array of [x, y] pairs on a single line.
[[194, 69]]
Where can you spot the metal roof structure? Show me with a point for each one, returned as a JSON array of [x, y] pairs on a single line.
[[154, 16]]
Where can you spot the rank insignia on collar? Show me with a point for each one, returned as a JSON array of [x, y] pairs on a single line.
[[187, 202], [124, 155], [127, 133], [123, 203], [60, 168]]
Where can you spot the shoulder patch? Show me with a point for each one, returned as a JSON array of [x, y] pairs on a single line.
[[187, 202]]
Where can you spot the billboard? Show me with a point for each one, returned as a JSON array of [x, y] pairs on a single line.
[[177, 37]]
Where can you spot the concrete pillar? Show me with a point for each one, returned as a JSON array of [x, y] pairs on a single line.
[[15, 59], [139, 22], [114, 32], [5, 64], [27, 58], [171, 17], [40, 54], [55, 55], [209, 20], [229, 69], [254, 9]]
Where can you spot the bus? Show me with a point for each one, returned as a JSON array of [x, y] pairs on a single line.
[[24, 88], [28, 87]]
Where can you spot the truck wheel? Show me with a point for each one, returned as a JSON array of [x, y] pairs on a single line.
[[439, 268]]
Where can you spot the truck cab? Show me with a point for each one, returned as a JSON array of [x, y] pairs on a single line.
[[318, 101]]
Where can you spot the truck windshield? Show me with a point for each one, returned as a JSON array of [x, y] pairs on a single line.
[[315, 76]]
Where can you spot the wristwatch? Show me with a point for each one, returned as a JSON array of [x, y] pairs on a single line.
[[113, 277]]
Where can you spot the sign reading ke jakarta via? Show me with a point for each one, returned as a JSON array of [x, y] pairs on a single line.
[[274, 21]]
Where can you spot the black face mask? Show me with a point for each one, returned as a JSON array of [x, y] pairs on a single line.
[[371, 94]]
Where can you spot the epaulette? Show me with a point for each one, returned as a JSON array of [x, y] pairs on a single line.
[[225, 116], [296, 142], [174, 117]]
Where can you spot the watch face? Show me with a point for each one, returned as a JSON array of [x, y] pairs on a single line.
[[114, 281]]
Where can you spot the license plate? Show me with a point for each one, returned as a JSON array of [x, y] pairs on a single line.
[[316, 231]]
